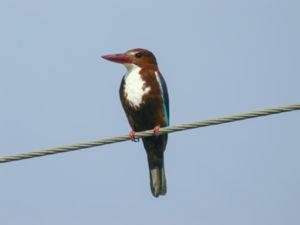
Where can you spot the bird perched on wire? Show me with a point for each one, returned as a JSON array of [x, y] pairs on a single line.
[[144, 97]]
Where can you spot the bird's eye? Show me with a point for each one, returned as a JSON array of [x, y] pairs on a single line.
[[138, 55]]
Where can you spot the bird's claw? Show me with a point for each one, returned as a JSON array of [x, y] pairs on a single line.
[[132, 136], [156, 130]]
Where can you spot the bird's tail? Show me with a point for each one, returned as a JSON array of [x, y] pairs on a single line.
[[158, 181]]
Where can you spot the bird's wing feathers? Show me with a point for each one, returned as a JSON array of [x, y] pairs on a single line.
[[165, 95]]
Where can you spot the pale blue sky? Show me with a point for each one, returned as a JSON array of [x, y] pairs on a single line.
[[218, 58]]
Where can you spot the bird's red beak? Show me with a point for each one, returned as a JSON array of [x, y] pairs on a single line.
[[119, 58]]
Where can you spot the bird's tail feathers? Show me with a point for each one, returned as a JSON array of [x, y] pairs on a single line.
[[158, 181]]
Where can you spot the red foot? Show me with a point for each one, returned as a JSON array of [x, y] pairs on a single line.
[[156, 129], [132, 136]]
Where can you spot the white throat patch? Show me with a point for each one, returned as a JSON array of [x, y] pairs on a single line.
[[134, 85]]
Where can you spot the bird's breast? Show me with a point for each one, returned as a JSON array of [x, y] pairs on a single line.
[[135, 88]]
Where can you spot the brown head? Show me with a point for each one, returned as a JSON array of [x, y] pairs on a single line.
[[137, 56]]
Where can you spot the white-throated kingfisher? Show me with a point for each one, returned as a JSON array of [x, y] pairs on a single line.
[[144, 97]]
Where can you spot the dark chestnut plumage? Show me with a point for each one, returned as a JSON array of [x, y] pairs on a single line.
[[144, 97]]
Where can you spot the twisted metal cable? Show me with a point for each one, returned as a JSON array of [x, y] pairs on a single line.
[[149, 133]]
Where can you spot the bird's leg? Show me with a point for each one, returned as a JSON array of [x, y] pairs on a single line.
[[156, 130], [132, 136]]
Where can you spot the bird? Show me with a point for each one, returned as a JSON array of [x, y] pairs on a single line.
[[145, 100]]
